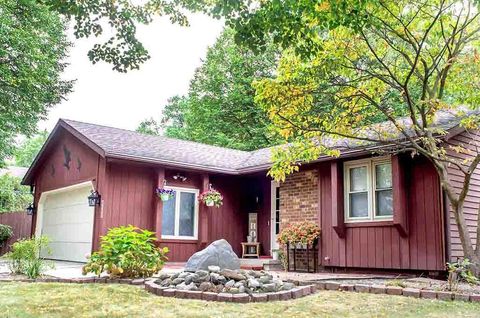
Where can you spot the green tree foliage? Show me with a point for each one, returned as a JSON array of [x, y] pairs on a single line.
[[122, 49], [13, 196], [32, 47], [28, 149], [219, 108], [405, 61]]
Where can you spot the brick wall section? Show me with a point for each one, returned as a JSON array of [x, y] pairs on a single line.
[[299, 198]]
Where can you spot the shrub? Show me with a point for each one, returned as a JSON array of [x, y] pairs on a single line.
[[6, 232], [127, 252], [299, 233], [24, 257]]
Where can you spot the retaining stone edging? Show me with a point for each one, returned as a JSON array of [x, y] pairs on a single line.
[[399, 291]]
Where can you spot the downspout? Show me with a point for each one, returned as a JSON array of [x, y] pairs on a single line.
[[447, 228]]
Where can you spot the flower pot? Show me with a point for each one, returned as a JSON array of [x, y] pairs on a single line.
[[209, 203], [164, 197]]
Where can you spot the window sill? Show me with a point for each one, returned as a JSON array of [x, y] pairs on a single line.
[[179, 240], [369, 223]]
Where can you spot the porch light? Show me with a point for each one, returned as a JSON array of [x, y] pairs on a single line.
[[180, 177], [30, 209], [94, 198]]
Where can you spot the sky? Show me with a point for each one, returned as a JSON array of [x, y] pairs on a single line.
[[103, 96]]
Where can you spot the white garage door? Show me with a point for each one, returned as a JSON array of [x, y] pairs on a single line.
[[68, 222]]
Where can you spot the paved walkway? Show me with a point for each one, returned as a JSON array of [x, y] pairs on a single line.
[[64, 269]]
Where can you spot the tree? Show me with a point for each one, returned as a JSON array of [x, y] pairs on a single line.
[[13, 196], [29, 148], [219, 108], [32, 48], [405, 61], [123, 50]]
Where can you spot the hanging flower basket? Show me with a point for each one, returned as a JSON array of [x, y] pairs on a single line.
[[211, 198], [165, 194]]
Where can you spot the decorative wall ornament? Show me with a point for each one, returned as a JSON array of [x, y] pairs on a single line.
[[79, 164], [67, 157]]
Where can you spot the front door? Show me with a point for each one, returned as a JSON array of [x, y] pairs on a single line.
[[275, 217]]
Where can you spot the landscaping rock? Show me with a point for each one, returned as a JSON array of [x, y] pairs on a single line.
[[288, 286], [230, 283], [201, 276], [217, 279], [213, 268], [164, 276], [266, 279], [253, 283], [177, 281], [206, 286], [268, 288], [218, 253], [228, 273]]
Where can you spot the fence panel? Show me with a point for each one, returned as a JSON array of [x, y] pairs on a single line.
[[21, 224]]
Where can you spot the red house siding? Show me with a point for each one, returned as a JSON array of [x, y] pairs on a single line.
[[382, 246], [470, 140], [376, 245]]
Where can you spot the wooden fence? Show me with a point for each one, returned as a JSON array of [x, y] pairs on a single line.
[[21, 224]]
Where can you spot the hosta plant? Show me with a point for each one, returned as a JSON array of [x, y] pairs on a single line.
[[127, 252], [211, 198], [24, 257]]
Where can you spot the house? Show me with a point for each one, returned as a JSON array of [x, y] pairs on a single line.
[[375, 212]]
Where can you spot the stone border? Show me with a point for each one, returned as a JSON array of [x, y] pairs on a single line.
[[399, 291], [295, 293], [302, 289]]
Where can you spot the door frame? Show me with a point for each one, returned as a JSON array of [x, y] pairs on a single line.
[[273, 236]]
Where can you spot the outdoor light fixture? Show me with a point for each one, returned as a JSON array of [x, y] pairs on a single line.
[[178, 176], [30, 209], [94, 198]]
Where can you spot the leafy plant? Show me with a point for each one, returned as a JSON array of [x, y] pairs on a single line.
[[127, 251], [460, 271], [6, 232], [305, 232], [24, 257], [211, 198], [282, 257], [165, 194], [13, 196]]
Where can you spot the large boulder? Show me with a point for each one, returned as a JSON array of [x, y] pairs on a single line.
[[219, 253]]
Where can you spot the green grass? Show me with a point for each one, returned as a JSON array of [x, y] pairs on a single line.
[[95, 300]]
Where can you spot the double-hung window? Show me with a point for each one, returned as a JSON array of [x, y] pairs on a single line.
[[180, 215], [368, 190]]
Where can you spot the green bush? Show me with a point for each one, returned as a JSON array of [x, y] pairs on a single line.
[[6, 232], [24, 257], [13, 196], [127, 252]]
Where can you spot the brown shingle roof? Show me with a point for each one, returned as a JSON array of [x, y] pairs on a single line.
[[128, 144]]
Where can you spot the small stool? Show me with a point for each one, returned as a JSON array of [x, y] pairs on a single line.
[[250, 249]]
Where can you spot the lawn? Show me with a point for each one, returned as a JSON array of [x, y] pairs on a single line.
[[88, 300]]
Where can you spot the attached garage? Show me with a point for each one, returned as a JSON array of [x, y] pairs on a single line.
[[65, 217]]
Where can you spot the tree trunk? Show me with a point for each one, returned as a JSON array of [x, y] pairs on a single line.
[[465, 239]]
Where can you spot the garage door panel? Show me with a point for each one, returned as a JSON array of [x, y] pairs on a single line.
[[78, 232], [64, 199], [68, 251], [75, 214], [68, 223]]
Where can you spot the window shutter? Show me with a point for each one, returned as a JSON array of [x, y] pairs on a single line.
[[338, 217], [400, 209]]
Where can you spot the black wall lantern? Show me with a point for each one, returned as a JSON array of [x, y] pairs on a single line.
[[30, 209], [94, 198]]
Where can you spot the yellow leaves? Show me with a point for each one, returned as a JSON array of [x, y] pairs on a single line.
[[323, 6]]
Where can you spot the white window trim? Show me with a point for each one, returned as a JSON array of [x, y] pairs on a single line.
[[176, 236], [370, 164]]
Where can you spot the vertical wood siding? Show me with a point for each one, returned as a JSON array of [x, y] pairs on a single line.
[[129, 197], [21, 224], [470, 140], [381, 246]]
